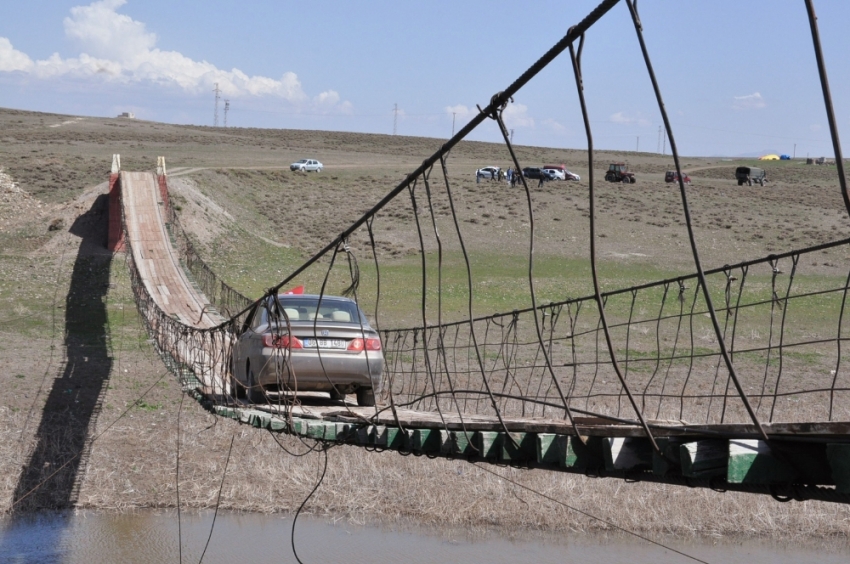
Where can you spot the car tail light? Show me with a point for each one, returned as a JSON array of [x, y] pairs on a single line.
[[367, 344], [282, 342]]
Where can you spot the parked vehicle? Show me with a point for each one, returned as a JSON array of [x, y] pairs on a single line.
[[304, 343], [619, 172], [750, 174], [555, 173], [307, 165], [565, 174], [673, 176], [536, 173], [491, 172]]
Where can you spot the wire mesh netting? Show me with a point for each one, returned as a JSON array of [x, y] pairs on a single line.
[[747, 343]]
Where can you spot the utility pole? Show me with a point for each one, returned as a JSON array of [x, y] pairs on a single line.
[[512, 136], [395, 118], [226, 107], [663, 141], [795, 151], [217, 92], [637, 148], [453, 123], [658, 149]]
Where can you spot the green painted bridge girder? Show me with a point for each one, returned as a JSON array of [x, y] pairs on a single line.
[[733, 461]]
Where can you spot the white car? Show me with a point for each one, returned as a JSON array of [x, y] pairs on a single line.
[[306, 165], [560, 172], [491, 172]]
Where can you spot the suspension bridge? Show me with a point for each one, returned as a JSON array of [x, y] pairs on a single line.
[[612, 384]]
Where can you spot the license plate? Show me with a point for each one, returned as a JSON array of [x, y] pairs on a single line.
[[324, 343]]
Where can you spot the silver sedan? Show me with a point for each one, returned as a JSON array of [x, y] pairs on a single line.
[[307, 165], [307, 343]]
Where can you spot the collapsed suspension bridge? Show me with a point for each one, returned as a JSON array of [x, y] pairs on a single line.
[[609, 385]]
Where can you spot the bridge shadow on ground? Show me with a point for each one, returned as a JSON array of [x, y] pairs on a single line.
[[51, 478]]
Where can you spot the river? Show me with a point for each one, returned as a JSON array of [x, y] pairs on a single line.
[[151, 537]]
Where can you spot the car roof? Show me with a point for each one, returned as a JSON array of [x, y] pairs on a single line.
[[326, 297]]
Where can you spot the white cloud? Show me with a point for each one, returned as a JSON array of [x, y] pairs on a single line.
[[116, 48], [753, 101], [516, 115], [623, 118], [554, 125], [460, 112], [11, 59]]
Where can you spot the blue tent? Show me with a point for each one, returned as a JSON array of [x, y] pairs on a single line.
[[784, 158]]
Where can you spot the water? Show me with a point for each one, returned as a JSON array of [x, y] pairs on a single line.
[[150, 537]]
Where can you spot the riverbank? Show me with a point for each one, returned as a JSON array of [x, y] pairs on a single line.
[[147, 537]]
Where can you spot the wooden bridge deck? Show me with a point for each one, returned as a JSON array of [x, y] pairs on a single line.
[[154, 255]]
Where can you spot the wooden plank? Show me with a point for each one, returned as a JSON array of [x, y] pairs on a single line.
[[751, 462], [669, 461], [488, 443], [519, 447], [552, 449], [627, 453], [428, 440], [838, 455], [704, 459]]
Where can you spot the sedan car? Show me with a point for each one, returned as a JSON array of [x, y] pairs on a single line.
[[491, 172], [560, 172], [306, 165], [307, 343], [555, 174], [537, 173]]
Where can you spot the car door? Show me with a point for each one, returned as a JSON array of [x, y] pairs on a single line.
[[249, 347]]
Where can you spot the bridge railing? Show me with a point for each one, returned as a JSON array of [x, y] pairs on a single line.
[[785, 331]]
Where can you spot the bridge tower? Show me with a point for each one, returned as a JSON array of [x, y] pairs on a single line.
[[115, 242]]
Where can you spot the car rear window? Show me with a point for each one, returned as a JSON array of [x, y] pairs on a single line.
[[329, 310]]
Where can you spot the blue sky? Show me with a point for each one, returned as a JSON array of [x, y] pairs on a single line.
[[738, 77]]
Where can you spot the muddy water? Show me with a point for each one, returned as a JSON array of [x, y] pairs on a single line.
[[152, 537]]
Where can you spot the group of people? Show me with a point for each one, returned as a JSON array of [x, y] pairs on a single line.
[[511, 176]]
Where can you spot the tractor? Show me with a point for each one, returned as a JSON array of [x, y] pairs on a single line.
[[619, 172]]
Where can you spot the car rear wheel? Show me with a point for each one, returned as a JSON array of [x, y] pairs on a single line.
[[255, 391], [609, 177], [236, 390], [365, 397]]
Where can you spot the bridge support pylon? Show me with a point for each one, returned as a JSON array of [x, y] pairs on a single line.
[[115, 242], [161, 178]]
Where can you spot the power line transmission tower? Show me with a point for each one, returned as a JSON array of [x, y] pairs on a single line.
[[217, 92], [453, 123], [226, 107], [395, 118], [658, 148]]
